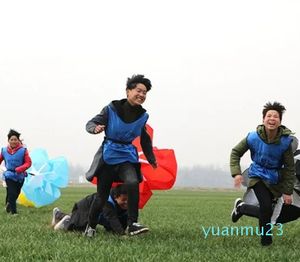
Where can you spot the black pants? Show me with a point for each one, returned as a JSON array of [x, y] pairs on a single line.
[[287, 214], [126, 172], [265, 198], [13, 192], [249, 210]]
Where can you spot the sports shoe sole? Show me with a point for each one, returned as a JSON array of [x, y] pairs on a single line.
[[55, 210], [60, 225], [138, 232]]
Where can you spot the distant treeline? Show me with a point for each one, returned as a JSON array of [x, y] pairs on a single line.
[[197, 176], [77, 174]]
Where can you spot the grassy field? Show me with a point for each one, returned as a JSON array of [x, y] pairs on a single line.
[[176, 219]]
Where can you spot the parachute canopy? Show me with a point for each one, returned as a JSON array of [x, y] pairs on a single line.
[[46, 177]]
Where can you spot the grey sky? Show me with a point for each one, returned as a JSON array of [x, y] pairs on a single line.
[[213, 65]]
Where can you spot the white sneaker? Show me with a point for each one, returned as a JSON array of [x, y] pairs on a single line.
[[89, 232], [54, 214], [62, 224]]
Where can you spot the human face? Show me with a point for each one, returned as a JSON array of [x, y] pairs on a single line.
[[122, 201], [137, 95], [272, 120], [13, 142]]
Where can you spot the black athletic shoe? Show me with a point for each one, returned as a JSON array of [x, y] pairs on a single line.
[[136, 229], [235, 214], [266, 241]]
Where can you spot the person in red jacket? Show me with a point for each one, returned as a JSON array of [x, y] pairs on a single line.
[[17, 161]]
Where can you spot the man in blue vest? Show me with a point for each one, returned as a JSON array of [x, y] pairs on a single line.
[[272, 171], [117, 158], [282, 213]]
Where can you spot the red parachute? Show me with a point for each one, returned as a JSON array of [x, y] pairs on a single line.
[[161, 178]]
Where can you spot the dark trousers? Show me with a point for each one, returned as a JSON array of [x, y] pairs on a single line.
[[265, 198], [13, 192], [249, 210], [287, 214], [125, 172]]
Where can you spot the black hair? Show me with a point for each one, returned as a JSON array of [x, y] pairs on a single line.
[[13, 132], [118, 190], [138, 79], [275, 106]]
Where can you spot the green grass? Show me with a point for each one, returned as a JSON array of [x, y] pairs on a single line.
[[175, 219]]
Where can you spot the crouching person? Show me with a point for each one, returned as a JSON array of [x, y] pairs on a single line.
[[113, 217]]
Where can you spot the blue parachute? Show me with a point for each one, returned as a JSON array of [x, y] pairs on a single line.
[[46, 177]]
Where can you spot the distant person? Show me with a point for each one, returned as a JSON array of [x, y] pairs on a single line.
[[113, 217], [272, 171], [17, 161], [117, 158]]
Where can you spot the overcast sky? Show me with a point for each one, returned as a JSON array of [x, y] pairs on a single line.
[[213, 65]]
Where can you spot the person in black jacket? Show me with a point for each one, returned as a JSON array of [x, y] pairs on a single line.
[[117, 158], [113, 216]]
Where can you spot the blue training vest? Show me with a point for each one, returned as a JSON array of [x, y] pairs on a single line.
[[12, 161], [267, 158], [117, 146]]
